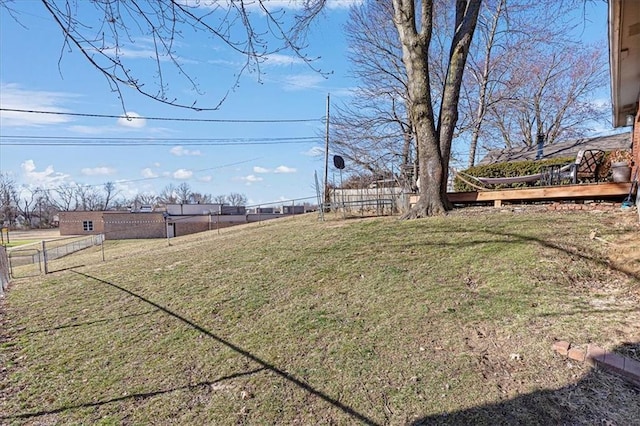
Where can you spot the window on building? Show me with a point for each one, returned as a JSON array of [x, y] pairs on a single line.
[[87, 225]]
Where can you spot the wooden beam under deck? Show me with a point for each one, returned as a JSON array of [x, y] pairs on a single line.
[[592, 191]]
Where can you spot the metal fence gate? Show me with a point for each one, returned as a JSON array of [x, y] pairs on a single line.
[[33, 260]]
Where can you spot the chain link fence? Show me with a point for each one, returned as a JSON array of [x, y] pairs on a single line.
[[30, 261]]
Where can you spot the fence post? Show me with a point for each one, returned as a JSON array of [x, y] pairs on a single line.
[[4, 269], [44, 257]]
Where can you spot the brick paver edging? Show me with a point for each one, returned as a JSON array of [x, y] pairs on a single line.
[[596, 356]]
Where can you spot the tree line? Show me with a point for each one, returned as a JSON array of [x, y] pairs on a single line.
[[37, 207]]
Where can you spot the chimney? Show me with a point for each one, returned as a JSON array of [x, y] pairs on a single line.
[[540, 146]]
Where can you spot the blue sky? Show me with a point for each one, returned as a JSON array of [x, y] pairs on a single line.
[[35, 75]]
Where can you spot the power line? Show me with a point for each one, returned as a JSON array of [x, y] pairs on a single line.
[[99, 141], [132, 117]]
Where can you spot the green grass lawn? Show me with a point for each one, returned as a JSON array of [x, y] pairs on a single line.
[[17, 243], [295, 321]]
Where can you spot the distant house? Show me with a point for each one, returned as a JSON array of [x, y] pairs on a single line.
[[568, 148]]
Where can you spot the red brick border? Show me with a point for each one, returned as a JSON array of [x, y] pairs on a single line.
[[623, 366], [590, 206]]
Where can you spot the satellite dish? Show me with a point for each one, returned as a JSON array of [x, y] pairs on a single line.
[[338, 162]]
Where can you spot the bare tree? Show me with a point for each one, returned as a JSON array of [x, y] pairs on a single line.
[[25, 201], [199, 198], [374, 132], [89, 197], [119, 24], [110, 192], [236, 199], [44, 209], [168, 195], [8, 191], [220, 199], [484, 69], [553, 98], [434, 136], [146, 199], [65, 198], [183, 192], [502, 51]]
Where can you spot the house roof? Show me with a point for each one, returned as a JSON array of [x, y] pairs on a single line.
[[624, 58], [559, 149]]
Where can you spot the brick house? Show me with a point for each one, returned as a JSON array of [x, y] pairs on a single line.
[[624, 59], [114, 224], [177, 220]]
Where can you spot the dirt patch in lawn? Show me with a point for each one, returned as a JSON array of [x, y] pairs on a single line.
[[625, 253]]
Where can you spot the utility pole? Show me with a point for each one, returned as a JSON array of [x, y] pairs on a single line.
[[326, 157]]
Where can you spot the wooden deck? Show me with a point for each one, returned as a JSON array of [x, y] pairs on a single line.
[[590, 191]]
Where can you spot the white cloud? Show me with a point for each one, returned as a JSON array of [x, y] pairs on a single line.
[[182, 174], [15, 97], [148, 173], [278, 59], [250, 179], [343, 4], [132, 120], [144, 48], [284, 169], [279, 169], [205, 179], [46, 179], [127, 190], [344, 92], [224, 63], [98, 171], [179, 151], [303, 82], [315, 151]]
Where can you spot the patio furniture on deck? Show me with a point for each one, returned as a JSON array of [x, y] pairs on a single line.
[[586, 167]]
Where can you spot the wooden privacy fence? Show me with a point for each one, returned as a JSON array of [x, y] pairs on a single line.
[[33, 260]]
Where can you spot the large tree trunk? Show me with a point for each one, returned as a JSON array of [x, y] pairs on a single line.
[[434, 143], [415, 49]]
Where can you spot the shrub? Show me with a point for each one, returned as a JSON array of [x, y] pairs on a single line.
[[509, 169]]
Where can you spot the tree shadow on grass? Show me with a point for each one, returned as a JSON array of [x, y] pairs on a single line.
[[136, 396], [584, 253], [264, 364], [90, 323], [599, 398]]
